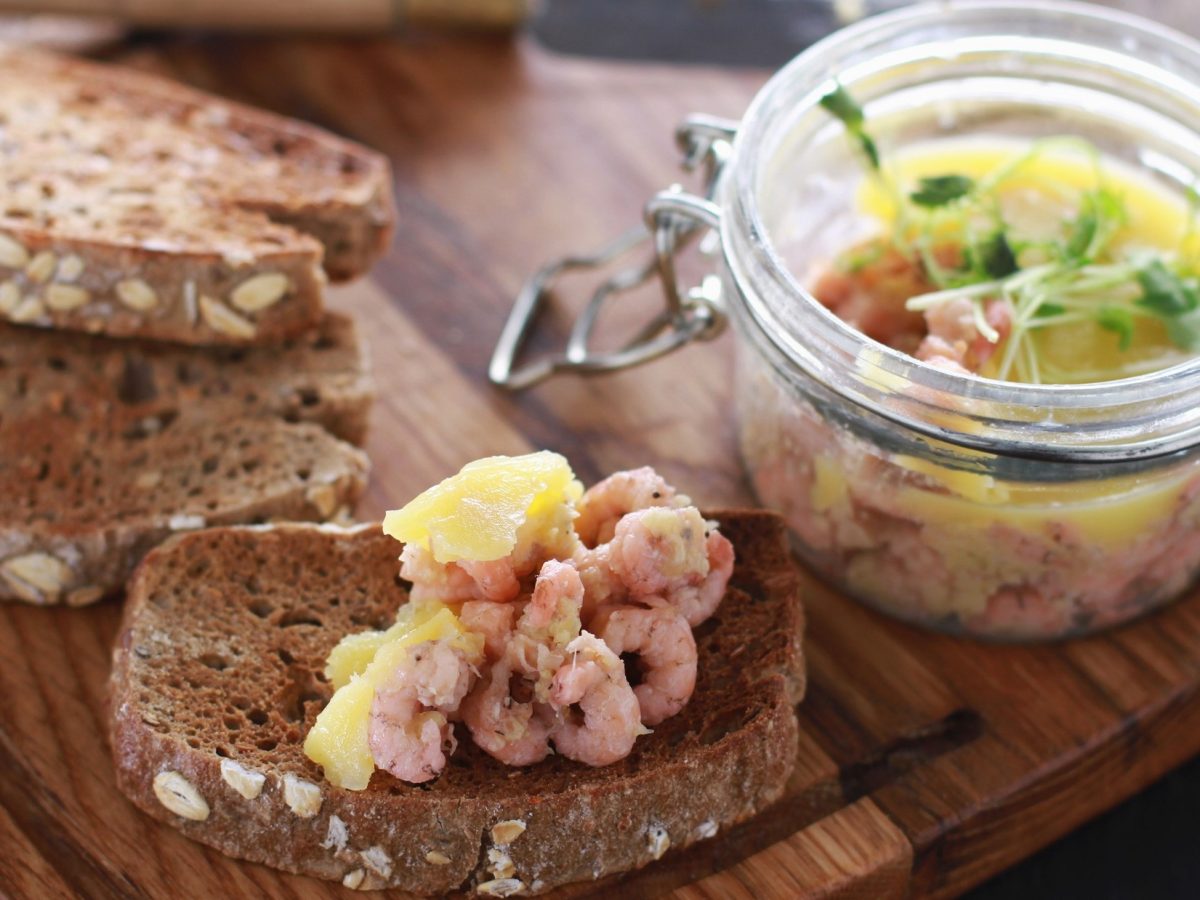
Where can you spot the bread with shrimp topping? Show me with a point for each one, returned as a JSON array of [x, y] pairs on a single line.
[[218, 675]]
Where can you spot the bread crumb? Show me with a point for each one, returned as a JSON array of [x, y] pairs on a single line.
[[437, 858], [337, 836], [302, 796], [706, 830], [501, 887], [180, 796], [504, 833], [247, 783], [353, 879]]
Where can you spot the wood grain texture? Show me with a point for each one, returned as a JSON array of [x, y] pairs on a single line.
[[926, 764]]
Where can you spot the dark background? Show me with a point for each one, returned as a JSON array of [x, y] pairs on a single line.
[[1146, 849]]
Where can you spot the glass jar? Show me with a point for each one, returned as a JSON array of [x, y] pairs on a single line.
[[994, 509]]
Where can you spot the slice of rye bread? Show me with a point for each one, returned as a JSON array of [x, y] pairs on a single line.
[[218, 675], [135, 206], [107, 447], [82, 506], [137, 387]]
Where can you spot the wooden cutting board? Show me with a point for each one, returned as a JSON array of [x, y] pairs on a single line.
[[926, 763]]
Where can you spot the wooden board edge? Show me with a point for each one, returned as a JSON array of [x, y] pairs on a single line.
[[856, 853]]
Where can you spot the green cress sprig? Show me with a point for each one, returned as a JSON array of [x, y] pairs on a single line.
[[1076, 277]]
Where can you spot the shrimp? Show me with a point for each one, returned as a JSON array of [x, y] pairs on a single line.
[[666, 650], [672, 558], [432, 580], [594, 678], [696, 601], [408, 731], [603, 504], [496, 580], [954, 340], [516, 733], [600, 586], [549, 622], [492, 620]]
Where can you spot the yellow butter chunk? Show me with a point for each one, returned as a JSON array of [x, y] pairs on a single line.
[[355, 652], [338, 740], [481, 513]]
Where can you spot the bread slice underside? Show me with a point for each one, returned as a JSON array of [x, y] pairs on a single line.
[[218, 675], [135, 206], [108, 447]]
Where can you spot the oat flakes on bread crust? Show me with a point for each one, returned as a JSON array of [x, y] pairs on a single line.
[[108, 446], [135, 206], [249, 615]]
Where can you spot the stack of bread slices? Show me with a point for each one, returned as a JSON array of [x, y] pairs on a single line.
[[166, 359]]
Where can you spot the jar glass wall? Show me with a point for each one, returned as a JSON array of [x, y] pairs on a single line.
[[990, 508]]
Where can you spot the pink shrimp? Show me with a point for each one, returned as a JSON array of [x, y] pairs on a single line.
[[594, 678], [495, 580], [492, 620], [516, 733], [603, 504], [954, 340], [549, 622], [670, 557], [432, 580], [662, 639], [698, 600], [652, 549], [408, 732], [600, 586]]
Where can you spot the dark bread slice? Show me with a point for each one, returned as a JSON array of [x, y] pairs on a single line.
[[82, 505], [105, 444], [136, 206], [320, 376], [220, 663]]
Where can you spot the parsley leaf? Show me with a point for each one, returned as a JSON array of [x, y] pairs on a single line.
[[938, 190], [1163, 292], [1184, 331], [844, 107], [1101, 216], [1118, 320], [996, 255]]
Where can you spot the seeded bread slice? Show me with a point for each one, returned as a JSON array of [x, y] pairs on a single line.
[[137, 387], [218, 675], [82, 507], [135, 206], [107, 447]]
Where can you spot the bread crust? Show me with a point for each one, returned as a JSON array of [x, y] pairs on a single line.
[[724, 758], [163, 212]]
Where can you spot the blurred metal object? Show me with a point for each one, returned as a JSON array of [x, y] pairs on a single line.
[[294, 15], [673, 219], [73, 34]]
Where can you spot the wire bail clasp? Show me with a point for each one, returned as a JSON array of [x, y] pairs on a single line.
[[673, 219]]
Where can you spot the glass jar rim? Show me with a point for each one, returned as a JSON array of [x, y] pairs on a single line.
[[1144, 416]]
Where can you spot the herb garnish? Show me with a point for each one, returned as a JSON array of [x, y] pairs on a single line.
[[1075, 278]]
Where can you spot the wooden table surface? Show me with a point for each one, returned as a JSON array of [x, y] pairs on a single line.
[[926, 763]]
